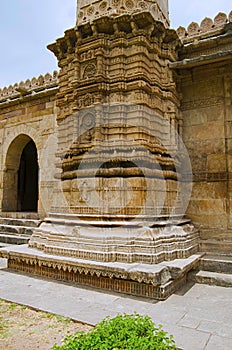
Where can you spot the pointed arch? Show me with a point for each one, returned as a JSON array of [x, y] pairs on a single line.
[[20, 179]]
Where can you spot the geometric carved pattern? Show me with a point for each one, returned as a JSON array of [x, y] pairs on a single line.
[[88, 121]]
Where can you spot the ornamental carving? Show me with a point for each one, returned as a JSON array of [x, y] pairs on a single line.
[[90, 11], [116, 2], [143, 5], [29, 86], [85, 101], [230, 16], [206, 24], [129, 4], [181, 31], [87, 55], [202, 103], [88, 121], [89, 71], [81, 14], [103, 6], [220, 19], [193, 28]]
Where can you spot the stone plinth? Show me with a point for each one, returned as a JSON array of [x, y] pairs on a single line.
[[156, 281], [116, 241]]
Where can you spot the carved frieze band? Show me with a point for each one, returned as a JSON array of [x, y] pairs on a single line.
[[90, 11], [99, 279], [202, 103]]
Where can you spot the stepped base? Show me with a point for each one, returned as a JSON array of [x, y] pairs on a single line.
[[156, 281], [19, 215], [216, 263], [213, 270], [14, 239], [17, 228], [103, 241], [216, 241], [211, 278]]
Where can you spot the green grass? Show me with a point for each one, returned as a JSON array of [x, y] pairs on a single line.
[[4, 329], [12, 306]]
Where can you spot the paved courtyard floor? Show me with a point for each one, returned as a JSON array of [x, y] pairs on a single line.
[[199, 316]]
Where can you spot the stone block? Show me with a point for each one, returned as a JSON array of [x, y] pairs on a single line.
[[210, 131], [202, 116], [216, 163], [229, 145], [208, 221], [15, 113], [209, 190], [205, 147], [198, 163], [207, 206], [229, 160], [230, 215]]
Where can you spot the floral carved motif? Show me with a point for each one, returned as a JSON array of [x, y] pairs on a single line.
[[89, 71]]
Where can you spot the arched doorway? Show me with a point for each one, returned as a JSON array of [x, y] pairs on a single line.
[[20, 188], [28, 179]]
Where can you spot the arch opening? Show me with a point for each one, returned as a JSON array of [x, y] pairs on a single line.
[[21, 175]]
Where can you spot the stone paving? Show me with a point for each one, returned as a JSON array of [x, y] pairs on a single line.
[[198, 316]]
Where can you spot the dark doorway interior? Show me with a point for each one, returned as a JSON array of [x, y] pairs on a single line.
[[28, 179]]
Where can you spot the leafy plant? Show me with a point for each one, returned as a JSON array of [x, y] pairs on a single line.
[[130, 332]]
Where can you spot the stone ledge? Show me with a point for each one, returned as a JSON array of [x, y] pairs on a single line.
[[156, 281], [216, 263], [201, 60]]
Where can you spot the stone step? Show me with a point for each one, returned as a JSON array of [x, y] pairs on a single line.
[[216, 263], [211, 278], [223, 247], [17, 230], [4, 245], [13, 239], [20, 215], [19, 222], [12, 229]]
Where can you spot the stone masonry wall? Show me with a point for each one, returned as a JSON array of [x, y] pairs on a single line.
[[207, 115], [205, 73], [28, 112]]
